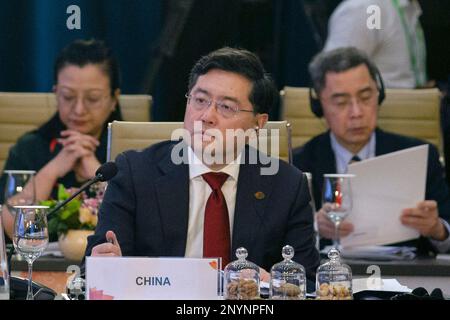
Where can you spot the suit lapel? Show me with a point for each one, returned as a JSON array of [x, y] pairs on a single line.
[[253, 192], [326, 160], [383, 144], [172, 190]]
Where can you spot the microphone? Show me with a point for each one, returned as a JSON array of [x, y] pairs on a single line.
[[104, 173]]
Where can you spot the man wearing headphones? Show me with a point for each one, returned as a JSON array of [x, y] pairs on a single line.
[[347, 92]]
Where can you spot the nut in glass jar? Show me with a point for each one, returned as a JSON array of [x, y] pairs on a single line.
[[333, 279], [288, 278], [241, 278]]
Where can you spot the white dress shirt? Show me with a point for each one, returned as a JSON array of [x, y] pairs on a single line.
[[388, 47], [343, 157], [199, 192]]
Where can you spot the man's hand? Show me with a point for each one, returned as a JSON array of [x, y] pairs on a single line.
[[326, 227], [108, 249], [425, 219]]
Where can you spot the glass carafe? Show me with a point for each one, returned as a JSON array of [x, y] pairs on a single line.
[[334, 279], [4, 274], [288, 278], [241, 278]]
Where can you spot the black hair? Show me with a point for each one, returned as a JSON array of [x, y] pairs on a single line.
[[263, 95], [83, 52], [338, 60]]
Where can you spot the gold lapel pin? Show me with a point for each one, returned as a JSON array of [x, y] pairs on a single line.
[[259, 195]]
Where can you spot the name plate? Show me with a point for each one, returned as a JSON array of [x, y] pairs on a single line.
[[138, 278]]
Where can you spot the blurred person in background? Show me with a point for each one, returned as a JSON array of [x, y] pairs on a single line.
[[349, 91], [70, 147], [393, 39]]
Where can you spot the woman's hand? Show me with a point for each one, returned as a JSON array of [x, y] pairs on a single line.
[[86, 167], [76, 146], [70, 137]]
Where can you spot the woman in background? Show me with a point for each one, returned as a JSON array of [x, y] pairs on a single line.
[[70, 147]]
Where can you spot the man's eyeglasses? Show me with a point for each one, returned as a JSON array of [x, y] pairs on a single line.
[[227, 109], [89, 102]]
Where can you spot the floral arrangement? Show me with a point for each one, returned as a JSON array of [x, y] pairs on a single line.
[[81, 213]]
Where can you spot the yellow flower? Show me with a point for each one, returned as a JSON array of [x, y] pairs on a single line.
[[94, 220], [86, 216]]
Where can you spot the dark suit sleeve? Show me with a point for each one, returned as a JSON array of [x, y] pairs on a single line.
[[300, 231], [300, 159], [437, 188], [117, 210], [305, 159]]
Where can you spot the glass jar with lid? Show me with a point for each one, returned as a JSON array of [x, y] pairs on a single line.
[[288, 278], [241, 278], [334, 279]]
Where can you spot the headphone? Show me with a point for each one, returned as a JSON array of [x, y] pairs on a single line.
[[316, 105]]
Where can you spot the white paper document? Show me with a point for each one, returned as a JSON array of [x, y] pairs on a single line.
[[382, 187], [378, 285], [376, 253]]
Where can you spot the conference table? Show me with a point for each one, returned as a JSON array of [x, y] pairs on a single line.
[[429, 273], [47, 270]]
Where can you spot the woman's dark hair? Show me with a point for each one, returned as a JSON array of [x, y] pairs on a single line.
[[83, 52], [264, 94]]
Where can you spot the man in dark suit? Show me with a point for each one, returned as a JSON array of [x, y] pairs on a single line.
[[349, 90], [157, 206]]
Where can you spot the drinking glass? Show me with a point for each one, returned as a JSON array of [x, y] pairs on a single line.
[[4, 272], [30, 236], [19, 189], [337, 200]]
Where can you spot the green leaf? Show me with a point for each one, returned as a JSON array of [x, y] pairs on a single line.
[[67, 217], [74, 205], [49, 203], [65, 214], [62, 193], [53, 228]]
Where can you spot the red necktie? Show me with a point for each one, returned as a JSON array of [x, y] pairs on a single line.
[[216, 228]]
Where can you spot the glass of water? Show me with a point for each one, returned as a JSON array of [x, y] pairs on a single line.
[[337, 200], [30, 236], [4, 272], [19, 189]]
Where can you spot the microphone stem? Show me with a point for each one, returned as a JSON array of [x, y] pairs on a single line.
[[82, 188]]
